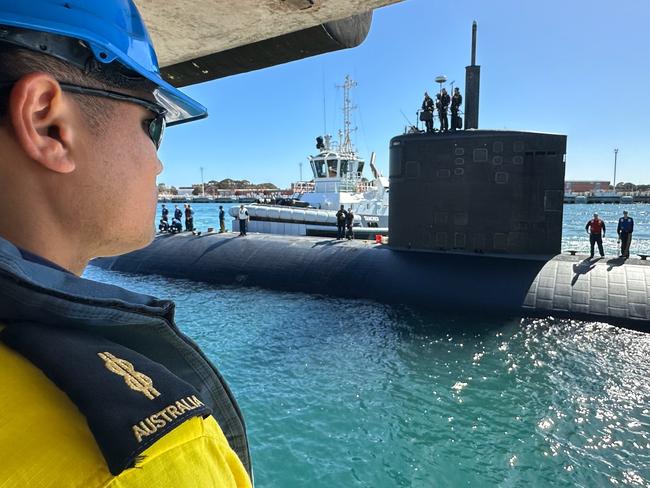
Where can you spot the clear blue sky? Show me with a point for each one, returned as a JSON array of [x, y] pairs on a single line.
[[580, 68]]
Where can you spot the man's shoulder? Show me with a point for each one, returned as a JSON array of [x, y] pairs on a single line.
[[128, 400], [199, 454], [45, 428], [42, 428]]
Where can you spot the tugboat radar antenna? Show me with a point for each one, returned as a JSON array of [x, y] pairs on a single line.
[[346, 141]]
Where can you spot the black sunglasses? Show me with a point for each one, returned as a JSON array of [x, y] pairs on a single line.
[[154, 127]]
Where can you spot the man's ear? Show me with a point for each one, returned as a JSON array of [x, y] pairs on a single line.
[[42, 121]]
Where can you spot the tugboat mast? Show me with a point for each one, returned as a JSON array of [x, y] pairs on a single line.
[[346, 141]]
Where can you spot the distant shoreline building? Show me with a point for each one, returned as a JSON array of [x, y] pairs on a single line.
[[185, 191], [586, 186]]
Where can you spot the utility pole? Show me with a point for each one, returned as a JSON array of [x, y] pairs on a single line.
[[615, 157], [202, 184], [300, 164]]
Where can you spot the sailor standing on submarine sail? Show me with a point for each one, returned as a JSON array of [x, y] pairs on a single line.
[[99, 387], [427, 112], [456, 102], [596, 230], [442, 105]]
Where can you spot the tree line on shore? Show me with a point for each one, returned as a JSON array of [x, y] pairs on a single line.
[[212, 186], [631, 187]]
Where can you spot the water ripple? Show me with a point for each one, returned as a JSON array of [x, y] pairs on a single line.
[[352, 393]]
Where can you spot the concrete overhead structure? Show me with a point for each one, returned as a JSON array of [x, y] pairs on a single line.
[[200, 40]]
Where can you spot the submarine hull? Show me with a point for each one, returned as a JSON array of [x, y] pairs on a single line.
[[565, 286]]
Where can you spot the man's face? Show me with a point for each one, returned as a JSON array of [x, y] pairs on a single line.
[[118, 168]]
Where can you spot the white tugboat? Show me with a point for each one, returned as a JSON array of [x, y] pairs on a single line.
[[338, 180]]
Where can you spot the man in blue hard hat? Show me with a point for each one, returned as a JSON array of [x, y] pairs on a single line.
[[99, 387]]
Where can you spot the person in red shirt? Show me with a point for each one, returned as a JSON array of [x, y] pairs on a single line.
[[596, 230]]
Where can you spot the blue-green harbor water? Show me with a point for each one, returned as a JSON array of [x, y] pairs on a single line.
[[349, 393]]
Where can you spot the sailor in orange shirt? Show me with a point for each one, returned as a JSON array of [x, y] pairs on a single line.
[[596, 230]]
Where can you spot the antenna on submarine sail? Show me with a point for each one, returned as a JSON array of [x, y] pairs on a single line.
[[472, 87]]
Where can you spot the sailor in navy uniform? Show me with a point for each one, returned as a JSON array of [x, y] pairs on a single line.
[[427, 112], [624, 230], [442, 105], [456, 102]]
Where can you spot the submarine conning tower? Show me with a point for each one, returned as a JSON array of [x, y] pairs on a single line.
[[477, 191]]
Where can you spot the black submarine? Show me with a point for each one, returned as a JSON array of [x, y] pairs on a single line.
[[475, 224]]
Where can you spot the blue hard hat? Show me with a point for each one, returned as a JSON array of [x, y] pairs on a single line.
[[114, 31]]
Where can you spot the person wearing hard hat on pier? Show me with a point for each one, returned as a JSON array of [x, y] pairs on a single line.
[[99, 386]]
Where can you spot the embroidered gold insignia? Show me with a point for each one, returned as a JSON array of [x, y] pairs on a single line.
[[135, 380]]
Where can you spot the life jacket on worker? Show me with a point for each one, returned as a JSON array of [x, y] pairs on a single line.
[[115, 354], [88, 338], [596, 226]]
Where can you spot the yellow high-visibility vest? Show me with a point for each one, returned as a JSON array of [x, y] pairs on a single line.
[[45, 442]]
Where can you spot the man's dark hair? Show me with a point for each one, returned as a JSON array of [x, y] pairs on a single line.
[[16, 62]]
